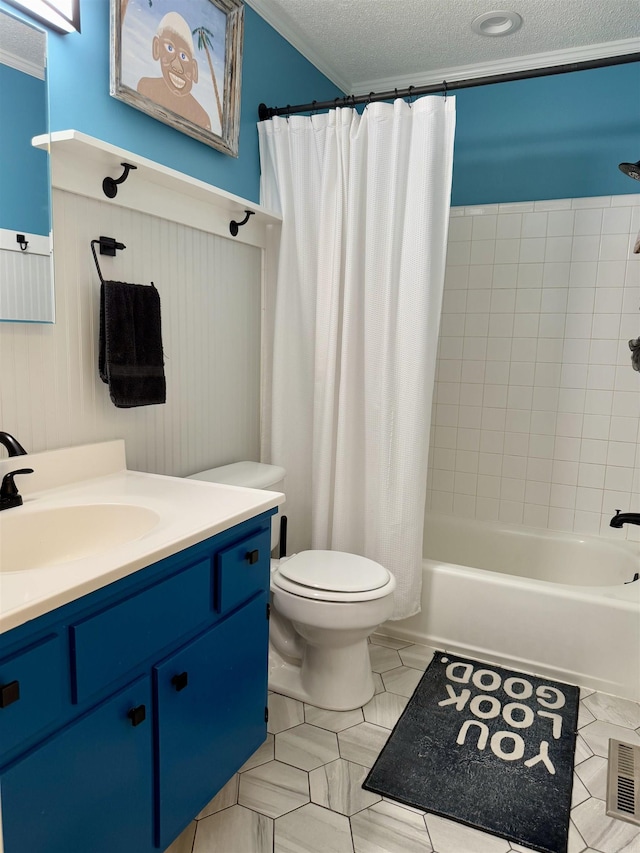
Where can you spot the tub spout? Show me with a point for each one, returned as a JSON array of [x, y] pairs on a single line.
[[621, 518]]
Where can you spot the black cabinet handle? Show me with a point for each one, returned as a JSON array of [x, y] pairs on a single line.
[[253, 557], [180, 681], [137, 715], [9, 693]]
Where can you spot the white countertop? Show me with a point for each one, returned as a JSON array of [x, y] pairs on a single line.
[[189, 511]]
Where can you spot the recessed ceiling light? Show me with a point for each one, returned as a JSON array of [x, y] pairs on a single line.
[[501, 22]]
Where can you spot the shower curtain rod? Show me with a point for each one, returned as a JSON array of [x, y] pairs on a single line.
[[265, 112]]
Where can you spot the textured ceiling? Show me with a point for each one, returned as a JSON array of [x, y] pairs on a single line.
[[22, 46], [367, 45]]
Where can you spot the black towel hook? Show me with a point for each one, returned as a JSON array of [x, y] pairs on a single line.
[[110, 185], [108, 246], [234, 226], [23, 242]]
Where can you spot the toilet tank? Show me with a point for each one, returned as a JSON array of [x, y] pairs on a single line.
[[251, 475]]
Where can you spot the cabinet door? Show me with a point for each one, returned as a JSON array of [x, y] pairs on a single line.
[[211, 698], [89, 787]]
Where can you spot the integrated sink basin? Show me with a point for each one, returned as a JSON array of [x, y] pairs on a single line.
[[48, 537]]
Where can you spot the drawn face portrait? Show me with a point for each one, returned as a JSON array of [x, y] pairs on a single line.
[[179, 68]]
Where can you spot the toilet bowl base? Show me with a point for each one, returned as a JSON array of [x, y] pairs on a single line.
[[329, 678]]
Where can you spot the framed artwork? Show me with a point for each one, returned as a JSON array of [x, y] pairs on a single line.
[[180, 61]]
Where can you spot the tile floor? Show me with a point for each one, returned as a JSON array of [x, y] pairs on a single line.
[[301, 790]]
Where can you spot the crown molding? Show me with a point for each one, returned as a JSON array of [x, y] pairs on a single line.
[[283, 25], [502, 66], [19, 63]]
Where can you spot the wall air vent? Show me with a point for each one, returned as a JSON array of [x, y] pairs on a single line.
[[623, 781]]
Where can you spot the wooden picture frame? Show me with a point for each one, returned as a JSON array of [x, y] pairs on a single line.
[[180, 62]]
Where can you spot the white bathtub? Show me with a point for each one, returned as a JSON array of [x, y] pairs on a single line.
[[548, 603]]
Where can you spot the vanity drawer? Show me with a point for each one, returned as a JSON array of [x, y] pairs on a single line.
[[243, 570], [31, 691], [109, 644]]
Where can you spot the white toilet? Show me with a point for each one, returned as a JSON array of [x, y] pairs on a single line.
[[325, 604]]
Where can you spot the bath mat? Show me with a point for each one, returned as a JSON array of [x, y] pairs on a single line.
[[487, 747]]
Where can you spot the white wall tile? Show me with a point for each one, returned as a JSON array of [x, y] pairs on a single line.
[[584, 249], [511, 512], [485, 227], [589, 499], [473, 348], [558, 249], [601, 376], [552, 325], [480, 276], [560, 223], [535, 515], [556, 274], [532, 250], [534, 225], [593, 450], [496, 372], [487, 509], [550, 350], [572, 400], [549, 406], [483, 252], [597, 402], [509, 225], [537, 493], [507, 251], [613, 247], [516, 444], [616, 220], [460, 228], [588, 222], [583, 273]]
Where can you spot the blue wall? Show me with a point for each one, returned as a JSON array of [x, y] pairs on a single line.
[[550, 137], [272, 71], [24, 175]]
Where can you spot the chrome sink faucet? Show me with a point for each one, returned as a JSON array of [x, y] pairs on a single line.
[[13, 446]]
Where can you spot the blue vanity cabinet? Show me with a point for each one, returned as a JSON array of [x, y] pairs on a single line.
[[88, 787], [136, 703], [210, 701]]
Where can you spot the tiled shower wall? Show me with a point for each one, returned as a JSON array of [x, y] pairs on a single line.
[[536, 406]]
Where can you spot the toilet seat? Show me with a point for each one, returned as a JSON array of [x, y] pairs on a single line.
[[332, 576]]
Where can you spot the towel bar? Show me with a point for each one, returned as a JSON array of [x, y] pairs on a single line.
[[108, 246]]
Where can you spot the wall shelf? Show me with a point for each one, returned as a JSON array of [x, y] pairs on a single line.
[[79, 163]]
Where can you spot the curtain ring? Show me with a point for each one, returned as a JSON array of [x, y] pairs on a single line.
[[288, 113], [371, 94], [313, 107], [396, 93], [444, 86], [409, 95]]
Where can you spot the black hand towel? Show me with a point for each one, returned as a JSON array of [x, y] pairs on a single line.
[[130, 356]]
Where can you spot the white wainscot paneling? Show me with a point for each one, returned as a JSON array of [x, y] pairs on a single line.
[[210, 290]]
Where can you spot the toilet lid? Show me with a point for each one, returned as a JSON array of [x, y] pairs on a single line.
[[334, 571]]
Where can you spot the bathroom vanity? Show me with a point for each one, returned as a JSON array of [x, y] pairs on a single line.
[[132, 690]]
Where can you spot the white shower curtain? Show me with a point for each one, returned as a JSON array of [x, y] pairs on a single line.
[[365, 205]]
